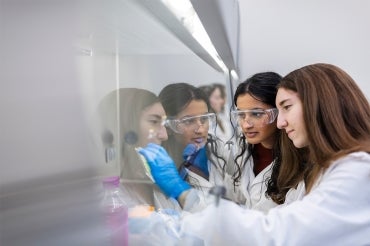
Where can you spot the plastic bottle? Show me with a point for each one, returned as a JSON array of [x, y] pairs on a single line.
[[115, 211]]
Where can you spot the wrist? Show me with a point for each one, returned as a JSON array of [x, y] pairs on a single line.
[[182, 197], [181, 188]]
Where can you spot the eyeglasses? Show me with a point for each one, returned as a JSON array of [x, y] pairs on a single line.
[[255, 117], [192, 123]]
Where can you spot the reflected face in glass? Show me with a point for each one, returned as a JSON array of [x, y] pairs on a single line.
[[290, 117], [197, 135], [152, 128], [253, 133], [216, 101]]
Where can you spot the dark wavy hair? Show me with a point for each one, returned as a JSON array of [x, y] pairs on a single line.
[[262, 87], [176, 97]]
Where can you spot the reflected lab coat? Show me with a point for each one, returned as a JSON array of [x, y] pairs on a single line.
[[335, 212], [198, 197], [250, 192]]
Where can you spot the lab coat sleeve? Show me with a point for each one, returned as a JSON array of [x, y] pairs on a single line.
[[198, 198], [335, 212]]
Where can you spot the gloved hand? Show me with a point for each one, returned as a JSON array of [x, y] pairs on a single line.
[[196, 157], [164, 170]]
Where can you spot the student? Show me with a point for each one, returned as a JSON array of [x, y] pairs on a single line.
[[132, 118], [258, 146], [258, 159], [191, 142], [322, 109]]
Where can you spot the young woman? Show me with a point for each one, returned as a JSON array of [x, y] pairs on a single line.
[[257, 160], [258, 141], [323, 110], [191, 142], [132, 118]]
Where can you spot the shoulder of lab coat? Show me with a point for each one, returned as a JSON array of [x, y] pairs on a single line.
[[295, 194], [198, 197], [335, 212]]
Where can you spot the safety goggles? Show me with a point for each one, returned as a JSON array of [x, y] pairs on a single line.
[[255, 117], [193, 123]]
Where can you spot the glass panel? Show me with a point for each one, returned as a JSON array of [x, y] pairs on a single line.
[[122, 45], [59, 61]]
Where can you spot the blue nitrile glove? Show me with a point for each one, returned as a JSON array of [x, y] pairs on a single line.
[[164, 170], [196, 157]]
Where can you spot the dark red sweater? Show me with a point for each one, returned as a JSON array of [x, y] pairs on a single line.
[[262, 157]]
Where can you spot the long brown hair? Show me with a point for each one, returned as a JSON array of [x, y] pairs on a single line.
[[127, 104], [336, 114], [288, 169]]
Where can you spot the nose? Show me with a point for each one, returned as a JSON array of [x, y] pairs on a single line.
[[200, 128], [247, 123], [162, 133], [281, 123]]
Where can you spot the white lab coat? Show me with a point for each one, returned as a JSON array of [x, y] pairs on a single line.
[[250, 192], [198, 198], [252, 189], [335, 212]]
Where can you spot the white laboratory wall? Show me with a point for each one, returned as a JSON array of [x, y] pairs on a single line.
[[282, 36]]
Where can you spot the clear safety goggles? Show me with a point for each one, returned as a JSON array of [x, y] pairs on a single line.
[[255, 117], [193, 123]]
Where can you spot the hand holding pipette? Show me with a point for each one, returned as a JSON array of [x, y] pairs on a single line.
[[196, 155]]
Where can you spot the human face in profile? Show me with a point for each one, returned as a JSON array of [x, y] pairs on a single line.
[[152, 129], [290, 116]]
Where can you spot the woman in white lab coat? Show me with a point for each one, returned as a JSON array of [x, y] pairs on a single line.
[[254, 161], [192, 144], [323, 110], [258, 141], [257, 179]]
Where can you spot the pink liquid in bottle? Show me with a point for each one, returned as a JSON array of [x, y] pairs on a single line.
[[115, 212]]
